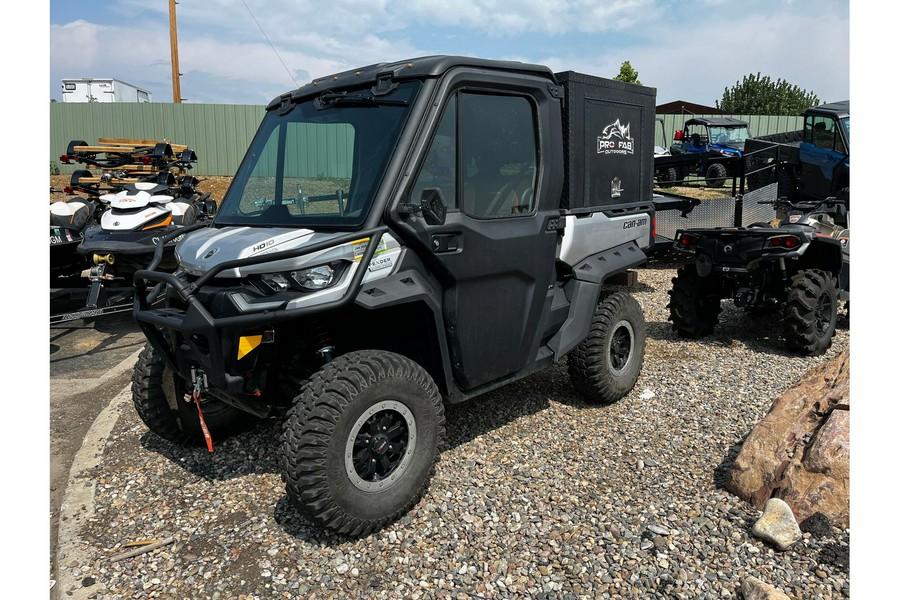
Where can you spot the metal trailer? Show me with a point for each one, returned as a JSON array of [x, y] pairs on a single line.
[[102, 89]]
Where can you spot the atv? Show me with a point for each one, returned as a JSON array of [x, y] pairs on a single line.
[[399, 237], [800, 268]]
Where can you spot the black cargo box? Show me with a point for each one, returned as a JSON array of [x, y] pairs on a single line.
[[608, 143]]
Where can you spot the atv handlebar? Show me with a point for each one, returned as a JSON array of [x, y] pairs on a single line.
[[805, 205]]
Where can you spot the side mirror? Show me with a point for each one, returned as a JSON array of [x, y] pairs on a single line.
[[433, 207]]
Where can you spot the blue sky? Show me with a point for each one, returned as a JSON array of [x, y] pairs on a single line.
[[687, 49]]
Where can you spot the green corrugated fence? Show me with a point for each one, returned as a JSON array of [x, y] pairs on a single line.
[[220, 133], [759, 125]]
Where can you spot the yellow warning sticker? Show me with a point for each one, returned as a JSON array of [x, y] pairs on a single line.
[[359, 247]]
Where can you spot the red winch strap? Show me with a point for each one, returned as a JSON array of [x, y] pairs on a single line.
[[203, 426]]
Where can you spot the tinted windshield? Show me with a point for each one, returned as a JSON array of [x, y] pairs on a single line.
[[319, 164], [845, 121], [728, 135]]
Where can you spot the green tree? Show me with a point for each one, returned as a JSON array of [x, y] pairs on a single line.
[[628, 74], [758, 95]]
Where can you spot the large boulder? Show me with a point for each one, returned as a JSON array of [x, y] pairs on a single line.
[[800, 451]]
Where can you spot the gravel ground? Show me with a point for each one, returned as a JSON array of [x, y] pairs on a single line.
[[536, 495]]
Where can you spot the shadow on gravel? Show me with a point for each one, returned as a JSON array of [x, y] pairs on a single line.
[[472, 419], [292, 521], [721, 471], [253, 452]]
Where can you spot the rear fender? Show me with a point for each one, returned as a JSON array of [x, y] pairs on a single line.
[[824, 253]]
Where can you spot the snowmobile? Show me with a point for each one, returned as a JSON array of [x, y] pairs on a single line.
[[799, 268]]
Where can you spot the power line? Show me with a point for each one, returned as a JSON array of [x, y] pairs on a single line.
[[270, 44]]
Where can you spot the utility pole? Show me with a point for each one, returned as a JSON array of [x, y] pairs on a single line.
[[173, 37]]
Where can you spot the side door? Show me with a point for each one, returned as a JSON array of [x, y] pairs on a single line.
[[494, 255], [822, 154]]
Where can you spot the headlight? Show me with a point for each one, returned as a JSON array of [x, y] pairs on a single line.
[[276, 282], [315, 278], [312, 279]]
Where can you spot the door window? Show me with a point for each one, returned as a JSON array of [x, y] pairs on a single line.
[[822, 132], [484, 156], [498, 142]]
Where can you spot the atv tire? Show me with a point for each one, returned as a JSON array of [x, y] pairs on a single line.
[[716, 174], [605, 366], [667, 177], [811, 312], [695, 303], [168, 413], [760, 179], [359, 446]]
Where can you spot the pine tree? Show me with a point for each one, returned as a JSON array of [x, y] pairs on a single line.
[[628, 74]]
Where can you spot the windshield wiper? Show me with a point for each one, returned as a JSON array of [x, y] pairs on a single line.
[[332, 99]]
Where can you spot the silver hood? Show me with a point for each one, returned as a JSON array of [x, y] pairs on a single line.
[[202, 250]]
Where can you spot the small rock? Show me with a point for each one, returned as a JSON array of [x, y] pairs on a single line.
[[658, 530], [777, 525], [754, 589]]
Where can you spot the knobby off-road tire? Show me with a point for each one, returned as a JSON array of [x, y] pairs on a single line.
[[605, 366], [716, 174], [810, 312], [761, 173], [667, 177], [359, 446], [694, 303], [155, 391]]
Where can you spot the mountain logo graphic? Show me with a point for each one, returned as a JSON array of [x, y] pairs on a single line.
[[615, 139]]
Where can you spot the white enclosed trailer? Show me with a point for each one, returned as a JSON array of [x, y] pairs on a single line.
[[102, 89]]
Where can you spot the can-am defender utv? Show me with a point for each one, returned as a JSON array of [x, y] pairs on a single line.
[[397, 237], [801, 268]]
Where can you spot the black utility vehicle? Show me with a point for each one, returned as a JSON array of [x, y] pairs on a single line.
[[800, 268], [397, 237], [809, 164]]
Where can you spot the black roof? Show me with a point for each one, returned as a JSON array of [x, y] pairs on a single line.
[[412, 68], [838, 109], [717, 122]]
